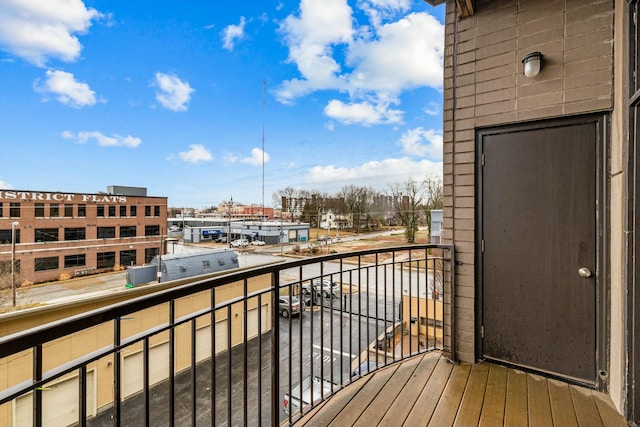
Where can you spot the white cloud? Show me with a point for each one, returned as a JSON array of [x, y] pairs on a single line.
[[230, 158], [5, 185], [374, 64], [197, 153], [363, 113], [433, 109], [378, 174], [256, 157], [407, 54], [173, 94], [103, 140], [67, 89], [232, 33], [37, 30], [422, 143], [378, 10], [310, 38]]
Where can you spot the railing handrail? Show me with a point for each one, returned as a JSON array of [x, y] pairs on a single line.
[[26, 339], [269, 288]]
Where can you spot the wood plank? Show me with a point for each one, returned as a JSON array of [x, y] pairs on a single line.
[[471, 406], [447, 408], [562, 411], [427, 389], [390, 391], [426, 403], [538, 401], [495, 396], [586, 409], [409, 394], [328, 410], [516, 405], [610, 416], [358, 404]]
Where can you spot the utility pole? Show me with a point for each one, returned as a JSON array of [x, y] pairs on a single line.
[[264, 91], [159, 273], [13, 260], [229, 206]]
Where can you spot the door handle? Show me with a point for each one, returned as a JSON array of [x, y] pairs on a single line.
[[584, 272]]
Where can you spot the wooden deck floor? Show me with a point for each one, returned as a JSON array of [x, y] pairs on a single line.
[[428, 390]]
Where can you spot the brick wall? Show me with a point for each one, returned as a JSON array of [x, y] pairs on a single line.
[[484, 86]]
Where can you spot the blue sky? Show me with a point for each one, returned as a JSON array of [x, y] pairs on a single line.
[[181, 97]]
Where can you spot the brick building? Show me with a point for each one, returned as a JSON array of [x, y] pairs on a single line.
[[61, 234]]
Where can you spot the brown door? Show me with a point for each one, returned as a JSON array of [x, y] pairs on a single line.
[[538, 247]]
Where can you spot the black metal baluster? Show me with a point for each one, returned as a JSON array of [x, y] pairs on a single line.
[[37, 393]]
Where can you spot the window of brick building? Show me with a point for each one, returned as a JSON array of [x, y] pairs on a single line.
[[71, 261], [128, 257], [46, 235], [48, 263], [14, 210], [128, 231], [151, 230], [106, 259], [106, 232], [78, 233]]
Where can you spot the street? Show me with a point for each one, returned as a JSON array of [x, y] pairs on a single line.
[[100, 284]]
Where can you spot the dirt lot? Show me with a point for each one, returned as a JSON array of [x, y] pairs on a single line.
[[366, 243]]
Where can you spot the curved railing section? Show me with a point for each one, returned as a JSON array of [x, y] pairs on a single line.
[[258, 346]]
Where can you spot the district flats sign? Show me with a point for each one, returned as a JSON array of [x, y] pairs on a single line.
[[34, 196]]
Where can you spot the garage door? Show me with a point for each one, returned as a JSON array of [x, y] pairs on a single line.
[[252, 321], [203, 340], [59, 403], [132, 369]]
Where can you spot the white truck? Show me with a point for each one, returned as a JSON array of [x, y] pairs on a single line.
[[321, 387]]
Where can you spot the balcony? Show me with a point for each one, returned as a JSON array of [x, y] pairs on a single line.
[[226, 350]]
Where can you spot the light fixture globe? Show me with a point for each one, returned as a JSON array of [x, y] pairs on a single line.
[[532, 64]]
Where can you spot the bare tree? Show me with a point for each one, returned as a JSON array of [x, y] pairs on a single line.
[[286, 197], [357, 201], [432, 196], [317, 205], [408, 197]]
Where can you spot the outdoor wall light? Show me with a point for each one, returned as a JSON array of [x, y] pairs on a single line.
[[532, 64]]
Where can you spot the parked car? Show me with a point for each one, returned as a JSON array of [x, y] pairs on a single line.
[[220, 240], [322, 287], [240, 243], [290, 306], [257, 242]]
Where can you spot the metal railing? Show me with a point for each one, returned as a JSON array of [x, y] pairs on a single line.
[[228, 350]]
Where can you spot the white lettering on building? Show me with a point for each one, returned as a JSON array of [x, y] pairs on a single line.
[[10, 195]]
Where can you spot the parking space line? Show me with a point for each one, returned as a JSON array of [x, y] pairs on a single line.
[[339, 353]]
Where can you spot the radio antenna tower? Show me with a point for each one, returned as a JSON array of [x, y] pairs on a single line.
[[264, 91]]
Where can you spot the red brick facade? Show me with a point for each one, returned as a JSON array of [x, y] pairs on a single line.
[[70, 234]]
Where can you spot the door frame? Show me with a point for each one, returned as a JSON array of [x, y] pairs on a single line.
[[601, 122]]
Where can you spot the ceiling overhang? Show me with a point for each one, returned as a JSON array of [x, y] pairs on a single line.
[[465, 7]]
